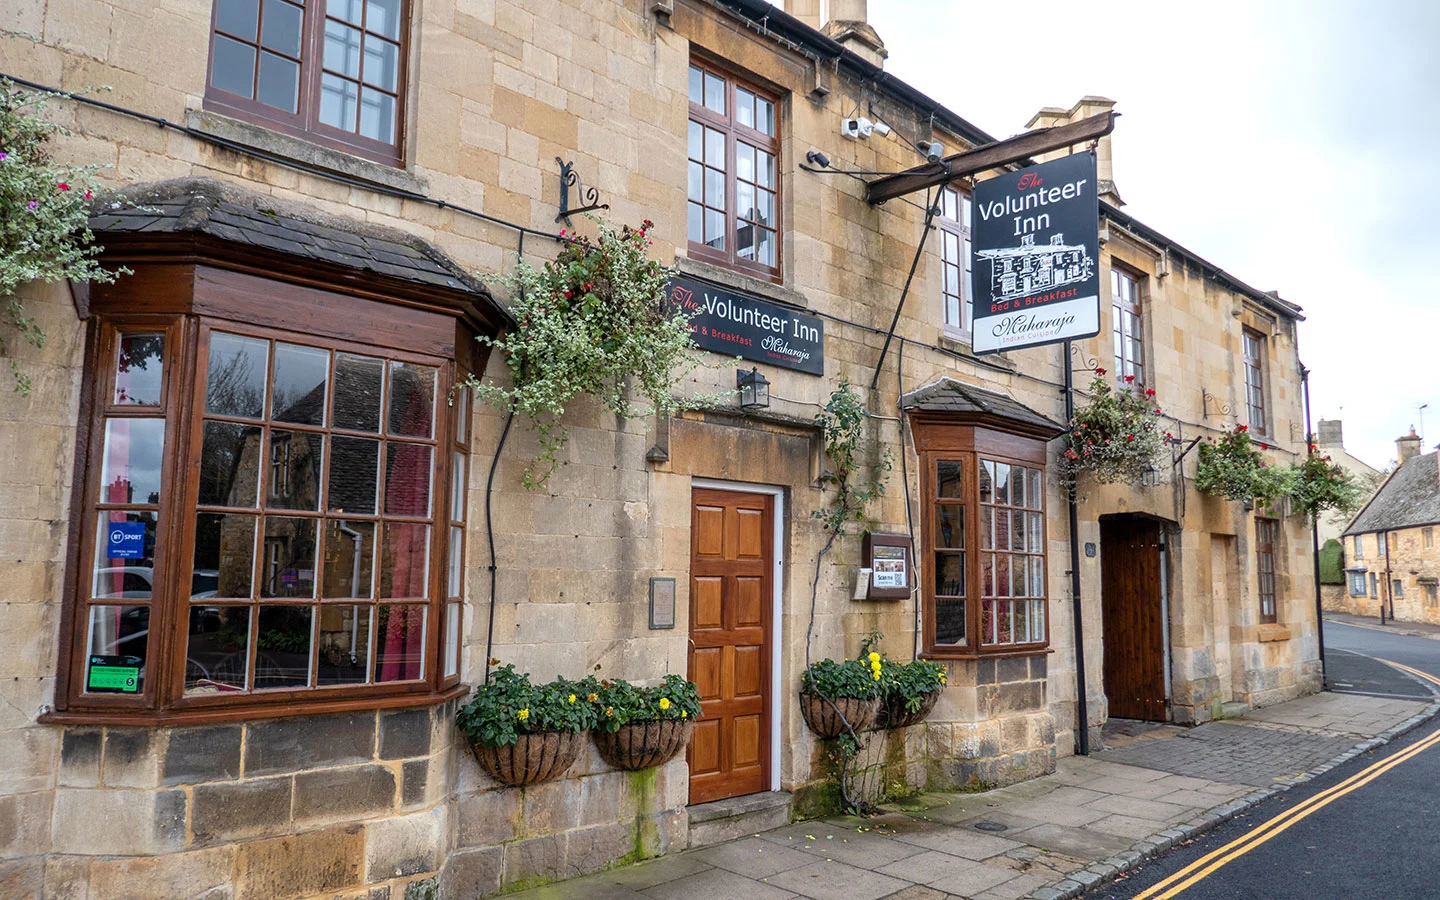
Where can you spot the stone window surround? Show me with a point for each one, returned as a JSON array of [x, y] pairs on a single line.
[[161, 701]]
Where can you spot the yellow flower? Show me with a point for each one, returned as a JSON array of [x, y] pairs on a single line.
[[523, 714], [684, 713], [572, 698], [942, 677], [874, 657], [593, 697], [875, 675], [664, 702], [609, 711]]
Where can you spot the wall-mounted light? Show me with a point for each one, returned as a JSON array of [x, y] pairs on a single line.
[[754, 389], [1150, 477]]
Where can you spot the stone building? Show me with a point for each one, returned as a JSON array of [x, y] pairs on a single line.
[[1330, 440], [252, 695], [1391, 559]]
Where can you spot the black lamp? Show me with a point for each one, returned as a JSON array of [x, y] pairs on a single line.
[[754, 389]]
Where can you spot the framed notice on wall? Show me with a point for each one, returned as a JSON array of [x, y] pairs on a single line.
[[888, 558]]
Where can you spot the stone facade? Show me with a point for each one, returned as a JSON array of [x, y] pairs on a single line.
[[389, 804]]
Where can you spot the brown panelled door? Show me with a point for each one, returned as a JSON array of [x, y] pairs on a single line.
[[731, 555], [1134, 632]]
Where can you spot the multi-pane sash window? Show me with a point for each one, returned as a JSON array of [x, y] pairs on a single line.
[[1359, 546], [984, 531], [331, 70], [955, 260], [734, 179], [1127, 328], [279, 527], [1266, 533], [1012, 577], [1357, 584], [1254, 345]]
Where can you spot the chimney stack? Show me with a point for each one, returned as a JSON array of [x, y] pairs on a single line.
[[848, 22], [1407, 446], [1089, 105], [1332, 434]]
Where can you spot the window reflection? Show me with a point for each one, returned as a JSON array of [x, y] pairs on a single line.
[[235, 376], [130, 466], [139, 369], [217, 653], [344, 655], [117, 649], [400, 643], [124, 555], [282, 647]]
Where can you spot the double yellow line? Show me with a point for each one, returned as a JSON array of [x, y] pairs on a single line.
[[1210, 862]]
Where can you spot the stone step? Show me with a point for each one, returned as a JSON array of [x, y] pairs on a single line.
[[1233, 710], [724, 820]]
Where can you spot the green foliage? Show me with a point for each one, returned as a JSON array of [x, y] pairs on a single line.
[[509, 705], [911, 681], [1116, 436], [592, 321], [1332, 562], [44, 209], [619, 702], [852, 678], [1318, 485], [843, 422], [1234, 468]]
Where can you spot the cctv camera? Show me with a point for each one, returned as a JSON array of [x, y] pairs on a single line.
[[934, 150], [882, 129], [816, 158], [866, 127], [850, 128]]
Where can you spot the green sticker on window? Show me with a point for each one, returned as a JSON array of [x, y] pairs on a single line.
[[113, 675]]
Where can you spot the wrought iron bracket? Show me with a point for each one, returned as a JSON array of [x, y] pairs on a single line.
[[1087, 362], [1222, 409], [588, 194]]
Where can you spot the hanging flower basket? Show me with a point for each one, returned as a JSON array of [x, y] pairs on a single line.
[[829, 718], [644, 745], [534, 757], [895, 712], [1116, 437]]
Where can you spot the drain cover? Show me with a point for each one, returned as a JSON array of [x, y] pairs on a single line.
[[990, 826]]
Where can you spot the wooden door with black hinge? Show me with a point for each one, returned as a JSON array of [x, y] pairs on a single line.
[[1134, 630], [731, 557]]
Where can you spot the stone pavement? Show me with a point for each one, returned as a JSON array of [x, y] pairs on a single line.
[[1048, 838]]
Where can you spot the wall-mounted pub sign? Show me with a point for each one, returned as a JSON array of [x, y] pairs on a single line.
[[1036, 272], [737, 324]]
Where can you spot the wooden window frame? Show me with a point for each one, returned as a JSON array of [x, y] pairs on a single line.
[[183, 300], [958, 228], [305, 121], [1256, 408], [734, 132], [1130, 357], [938, 439], [1267, 535]]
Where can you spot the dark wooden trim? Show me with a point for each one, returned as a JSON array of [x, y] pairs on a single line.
[[269, 710], [990, 156]]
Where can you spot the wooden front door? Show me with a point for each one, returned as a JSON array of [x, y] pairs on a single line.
[[1130, 551], [731, 557]]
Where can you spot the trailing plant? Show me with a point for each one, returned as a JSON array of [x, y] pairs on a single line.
[[1234, 468], [1114, 437], [592, 321], [44, 210], [619, 702], [852, 679], [508, 705], [910, 682], [843, 424], [1319, 484]]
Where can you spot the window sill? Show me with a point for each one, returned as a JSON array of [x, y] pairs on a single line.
[[986, 654], [741, 281], [1268, 633], [248, 713], [258, 137], [960, 345]]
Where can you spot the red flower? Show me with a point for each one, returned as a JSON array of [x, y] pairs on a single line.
[[63, 186], [569, 295], [1241, 429], [1129, 379], [1264, 446], [562, 232], [1149, 392], [87, 195], [1099, 371], [1129, 437], [1158, 412]]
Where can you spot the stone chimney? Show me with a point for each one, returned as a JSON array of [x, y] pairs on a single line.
[[1331, 434], [807, 11], [1407, 446], [1089, 105], [848, 22]]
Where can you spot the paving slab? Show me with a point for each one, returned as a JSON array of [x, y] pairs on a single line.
[[831, 880], [754, 857], [717, 884]]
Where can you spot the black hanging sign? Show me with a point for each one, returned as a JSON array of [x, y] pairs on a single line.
[[1036, 272], [737, 324]]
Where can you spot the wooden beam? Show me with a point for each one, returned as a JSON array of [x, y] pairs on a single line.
[[989, 156]]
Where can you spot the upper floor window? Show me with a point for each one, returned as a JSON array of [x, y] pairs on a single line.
[[1427, 538], [1254, 346], [1127, 327], [332, 71], [734, 173], [1266, 533], [955, 261], [1380, 543]]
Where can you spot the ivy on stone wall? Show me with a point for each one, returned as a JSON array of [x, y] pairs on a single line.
[[44, 208]]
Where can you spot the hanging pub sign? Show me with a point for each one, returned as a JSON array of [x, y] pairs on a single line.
[[737, 324], [1036, 271]]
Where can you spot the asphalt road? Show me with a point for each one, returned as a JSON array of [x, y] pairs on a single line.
[[1375, 841]]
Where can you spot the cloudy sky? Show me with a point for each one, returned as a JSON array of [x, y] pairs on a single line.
[[1292, 144]]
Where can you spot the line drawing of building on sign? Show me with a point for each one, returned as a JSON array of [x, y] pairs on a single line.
[[1020, 271]]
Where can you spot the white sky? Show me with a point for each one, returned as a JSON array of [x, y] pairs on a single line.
[[1292, 144]]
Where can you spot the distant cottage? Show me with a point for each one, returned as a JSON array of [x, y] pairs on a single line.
[[1024, 270]]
